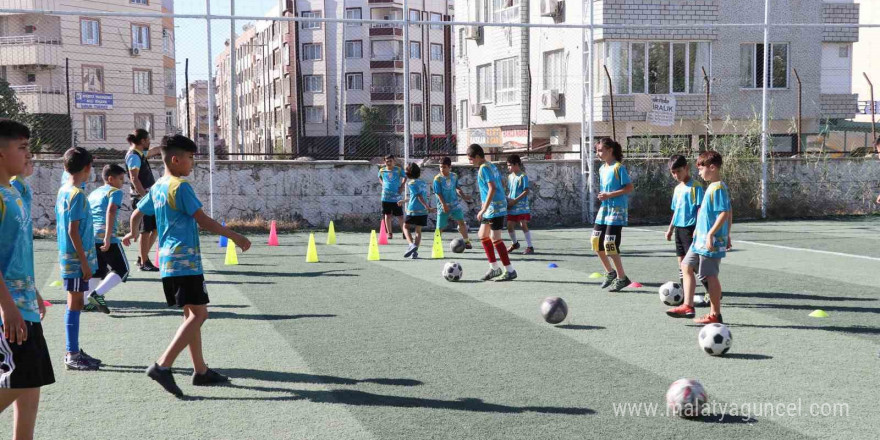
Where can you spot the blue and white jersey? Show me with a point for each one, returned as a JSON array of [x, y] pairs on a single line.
[[716, 201], [24, 189], [99, 200], [17, 253], [446, 187], [72, 205], [686, 200], [391, 181], [173, 202], [517, 184], [417, 187], [498, 205], [613, 211]]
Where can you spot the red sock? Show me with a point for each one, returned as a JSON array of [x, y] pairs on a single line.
[[490, 251], [502, 253]]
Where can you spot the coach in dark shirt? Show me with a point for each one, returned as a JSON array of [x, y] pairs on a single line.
[[141, 177]]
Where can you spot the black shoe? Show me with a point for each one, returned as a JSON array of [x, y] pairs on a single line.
[[99, 303], [507, 276], [88, 358], [79, 362], [147, 267], [210, 377], [165, 378], [609, 278]]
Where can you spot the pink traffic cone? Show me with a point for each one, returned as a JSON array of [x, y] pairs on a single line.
[[635, 284], [156, 258], [383, 234], [273, 235]]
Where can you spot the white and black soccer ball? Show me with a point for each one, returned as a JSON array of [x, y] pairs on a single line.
[[554, 310], [671, 294], [686, 398], [452, 271], [715, 339]]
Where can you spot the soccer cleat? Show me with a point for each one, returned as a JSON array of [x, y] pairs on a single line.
[[165, 378], [78, 362], [468, 245], [513, 247], [99, 303], [492, 273], [415, 255], [529, 251], [682, 311], [409, 251], [609, 278], [619, 284], [147, 267], [210, 377], [709, 319], [90, 308], [88, 358], [507, 276]]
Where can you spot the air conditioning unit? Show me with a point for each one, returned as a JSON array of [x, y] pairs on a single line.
[[477, 109], [558, 136], [134, 51], [550, 8], [550, 99], [473, 33]]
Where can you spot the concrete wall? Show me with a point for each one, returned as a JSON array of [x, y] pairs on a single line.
[[348, 192]]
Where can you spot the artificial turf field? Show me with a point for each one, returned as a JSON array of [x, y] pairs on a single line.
[[351, 349]]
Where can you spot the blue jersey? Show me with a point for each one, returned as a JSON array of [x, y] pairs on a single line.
[[498, 205], [716, 201], [99, 200], [613, 211], [686, 202], [391, 181], [17, 253], [72, 205], [173, 202], [27, 196], [516, 185], [417, 188], [446, 187]]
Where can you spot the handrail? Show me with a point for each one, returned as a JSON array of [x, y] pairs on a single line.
[[28, 39], [34, 88]]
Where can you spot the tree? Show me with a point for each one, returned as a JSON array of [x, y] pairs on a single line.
[[373, 119], [10, 106]]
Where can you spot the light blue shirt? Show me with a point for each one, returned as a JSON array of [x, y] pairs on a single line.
[[445, 187], [517, 184], [417, 187], [173, 202], [391, 180], [17, 253], [72, 206], [613, 211], [716, 201], [25, 190], [498, 205], [99, 200], [685, 203]]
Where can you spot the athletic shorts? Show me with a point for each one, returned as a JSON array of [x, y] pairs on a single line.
[[706, 267], [75, 285], [611, 233], [417, 220], [148, 223], [392, 208], [683, 239], [519, 217], [186, 290], [496, 222], [456, 214], [112, 261], [27, 365]]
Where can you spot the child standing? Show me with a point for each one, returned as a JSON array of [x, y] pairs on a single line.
[[615, 185], [686, 201], [392, 179], [518, 211], [105, 203], [76, 251], [178, 216], [416, 210], [491, 215], [711, 240], [447, 191]]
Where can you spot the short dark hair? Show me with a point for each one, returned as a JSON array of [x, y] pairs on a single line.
[[446, 161], [76, 159], [389, 156], [138, 136], [172, 145], [708, 158], [13, 130], [413, 171], [677, 161], [112, 170], [514, 159], [475, 150]]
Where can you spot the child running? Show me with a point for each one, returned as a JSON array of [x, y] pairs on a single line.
[[491, 215], [416, 210], [614, 185], [686, 201], [518, 211], [112, 264], [178, 216], [392, 179], [447, 191]]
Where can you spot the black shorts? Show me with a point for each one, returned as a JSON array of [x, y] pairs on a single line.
[[113, 260], [187, 290], [601, 232], [392, 208], [27, 365], [417, 220], [497, 223], [683, 239], [148, 223]]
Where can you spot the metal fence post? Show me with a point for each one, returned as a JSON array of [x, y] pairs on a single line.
[[591, 107], [764, 116], [210, 112], [406, 98]]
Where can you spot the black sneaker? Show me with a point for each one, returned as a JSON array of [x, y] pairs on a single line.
[[492, 273], [609, 278], [618, 284], [99, 303], [78, 362], [147, 267], [90, 308], [507, 276], [210, 377], [410, 250], [88, 358], [165, 378]]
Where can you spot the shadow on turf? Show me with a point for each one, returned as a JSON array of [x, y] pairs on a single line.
[[809, 307], [724, 419], [860, 330], [795, 296], [150, 305], [580, 327], [322, 273], [122, 314], [747, 356], [275, 376]]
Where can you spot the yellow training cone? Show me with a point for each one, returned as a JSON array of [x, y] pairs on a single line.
[[373, 253], [595, 275], [331, 234], [231, 255], [819, 313], [312, 252], [56, 284], [437, 250]]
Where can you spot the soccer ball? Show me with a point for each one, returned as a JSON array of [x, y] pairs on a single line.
[[554, 310], [715, 339], [686, 398], [671, 294], [452, 271], [457, 245]]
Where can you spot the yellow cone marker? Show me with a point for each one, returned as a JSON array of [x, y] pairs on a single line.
[[331, 234], [595, 275], [56, 284], [312, 253], [437, 250], [819, 313], [373, 253], [231, 255]]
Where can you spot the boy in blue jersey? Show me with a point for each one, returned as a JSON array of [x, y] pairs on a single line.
[[711, 240], [448, 193], [179, 215], [392, 179], [686, 201], [112, 264], [26, 365], [613, 215], [518, 211], [491, 215], [416, 210]]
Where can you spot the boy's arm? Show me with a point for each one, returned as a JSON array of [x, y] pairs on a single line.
[[462, 194], [111, 220], [207, 223], [669, 229], [14, 328], [76, 240], [723, 218], [135, 225], [520, 197], [423, 202]]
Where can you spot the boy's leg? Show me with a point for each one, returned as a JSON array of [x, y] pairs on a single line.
[[418, 238], [511, 232], [485, 235], [510, 273], [26, 406], [612, 248], [191, 326], [406, 234], [714, 294], [195, 344], [686, 310], [71, 318], [463, 230], [528, 233], [596, 240]]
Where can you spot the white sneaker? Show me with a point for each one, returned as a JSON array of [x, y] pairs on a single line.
[[412, 248]]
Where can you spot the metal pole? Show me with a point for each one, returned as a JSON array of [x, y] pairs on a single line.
[[67, 82], [764, 116], [611, 96], [341, 83], [406, 97], [873, 109], [708, 106], [584, 146], [266, 89], [591, 108], [799, 113], [233, 77], [186, 97], [210, 113]]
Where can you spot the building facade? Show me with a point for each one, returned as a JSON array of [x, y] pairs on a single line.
[[192, 113]]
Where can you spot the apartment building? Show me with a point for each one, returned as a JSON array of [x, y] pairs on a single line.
[[118, 72], [524, 88], [192, 113]]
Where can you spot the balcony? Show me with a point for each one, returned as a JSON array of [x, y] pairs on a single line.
[[29, 50], [41, 99], [386, 29], [28, 4], [386, 62], [386, 93], [385, 2]]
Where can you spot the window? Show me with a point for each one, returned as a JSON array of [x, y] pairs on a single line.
[[170, 79], [144, 121], [143, 82], [462, 44], [354, 81], [507, 81], [314, 114], [656, 67], [352, 113], [31, 78], [29, 29], [140, 36], [95, 127], [436, 113], [353, 14], [751, 66], [3, 73], [354, 49], [414, 15], [168, 42], [482, 7], [463, 115], [415, 81], [435, 17], [313, 83], [484, 84], [554, 72], [92, 79], [90, 32], [140, 2], [436, 52], [311, 51], [311, 24], [169, 121], [415, 50], [437, 83], [386, 50], [415, 114], [505, 11]]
